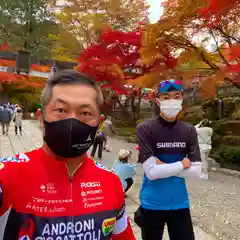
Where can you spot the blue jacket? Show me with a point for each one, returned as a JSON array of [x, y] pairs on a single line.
[[5, 115], [124, 171]]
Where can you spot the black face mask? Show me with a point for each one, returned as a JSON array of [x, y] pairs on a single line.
[[69, 138]]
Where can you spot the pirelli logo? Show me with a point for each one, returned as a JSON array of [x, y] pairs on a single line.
[[171, 145]]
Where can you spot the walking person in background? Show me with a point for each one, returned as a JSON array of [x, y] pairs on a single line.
[[98, 145], [38, 113], [6, 118], [205, 133], [138, 149], [108, 132], [17, 118], [124, 169], [10, 109], [1, 110]]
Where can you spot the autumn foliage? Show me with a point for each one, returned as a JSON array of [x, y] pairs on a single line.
[[193, 40], [215, 9], [106, 60], [116, 60], [22, 81]]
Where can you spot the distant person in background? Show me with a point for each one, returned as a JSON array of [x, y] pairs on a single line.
[[6, 118], [98, 144], [138, 149], [38, 112], [124, 169], [99, 139], [108, 132], [1, 110], [17, 118], [16, 107], [205, 133], [10, 109]]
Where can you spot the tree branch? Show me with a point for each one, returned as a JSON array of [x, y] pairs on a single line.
[[218, 49]]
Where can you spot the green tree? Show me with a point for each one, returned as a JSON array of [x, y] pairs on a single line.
[[26, 25]]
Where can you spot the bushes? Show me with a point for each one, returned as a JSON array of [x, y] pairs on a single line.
[[128, 133], [236, 115], [192, 114], [229, 154], [211, 109], [229, 109], [231, 140], [223, 128]]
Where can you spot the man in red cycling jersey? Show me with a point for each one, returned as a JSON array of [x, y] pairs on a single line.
[[57, 192]]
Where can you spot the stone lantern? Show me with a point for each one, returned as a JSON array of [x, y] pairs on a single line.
[[23, 62]]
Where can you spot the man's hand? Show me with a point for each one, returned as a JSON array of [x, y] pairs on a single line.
[[186, 163]]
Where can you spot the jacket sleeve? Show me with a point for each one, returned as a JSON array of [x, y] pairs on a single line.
[[7, 169], [194, 155], [194, 171], [122, 228]]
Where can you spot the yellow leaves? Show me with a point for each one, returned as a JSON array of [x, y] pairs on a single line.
[[188, 77], [187, 56], [66, 47], [152, 44], [150, 34], [148, 55], [208, 87], [148, 80], [118, 70]]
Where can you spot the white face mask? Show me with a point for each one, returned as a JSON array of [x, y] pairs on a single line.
[[170, 108]]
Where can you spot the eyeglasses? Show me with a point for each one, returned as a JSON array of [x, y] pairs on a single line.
[[166, 85]]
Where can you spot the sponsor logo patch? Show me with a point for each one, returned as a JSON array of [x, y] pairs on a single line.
[[108, 225], [101, 166], [1, 165], [21, 158], [24, 238]]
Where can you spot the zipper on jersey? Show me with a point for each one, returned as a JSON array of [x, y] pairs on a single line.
[[71, 195], [71, 187]]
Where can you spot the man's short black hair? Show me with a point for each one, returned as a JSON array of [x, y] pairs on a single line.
[[69, 76]]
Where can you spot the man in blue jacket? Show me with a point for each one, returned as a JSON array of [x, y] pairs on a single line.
[[169, 152], [6, 117]]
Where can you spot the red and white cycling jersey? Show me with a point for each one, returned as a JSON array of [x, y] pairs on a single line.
[[38, 200]]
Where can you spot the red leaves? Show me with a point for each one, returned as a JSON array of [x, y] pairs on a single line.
[[107, 60], [4, 47], [36, 67], [21, 81], [116, 58], [9, 78], [216, 9], [233, 52], [40, 68], [130, 38], [120, 90], [7, 63]]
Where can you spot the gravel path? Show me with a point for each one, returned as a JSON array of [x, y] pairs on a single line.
[[216, 205]]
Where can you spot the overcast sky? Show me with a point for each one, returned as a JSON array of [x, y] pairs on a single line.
[[155, 10]]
